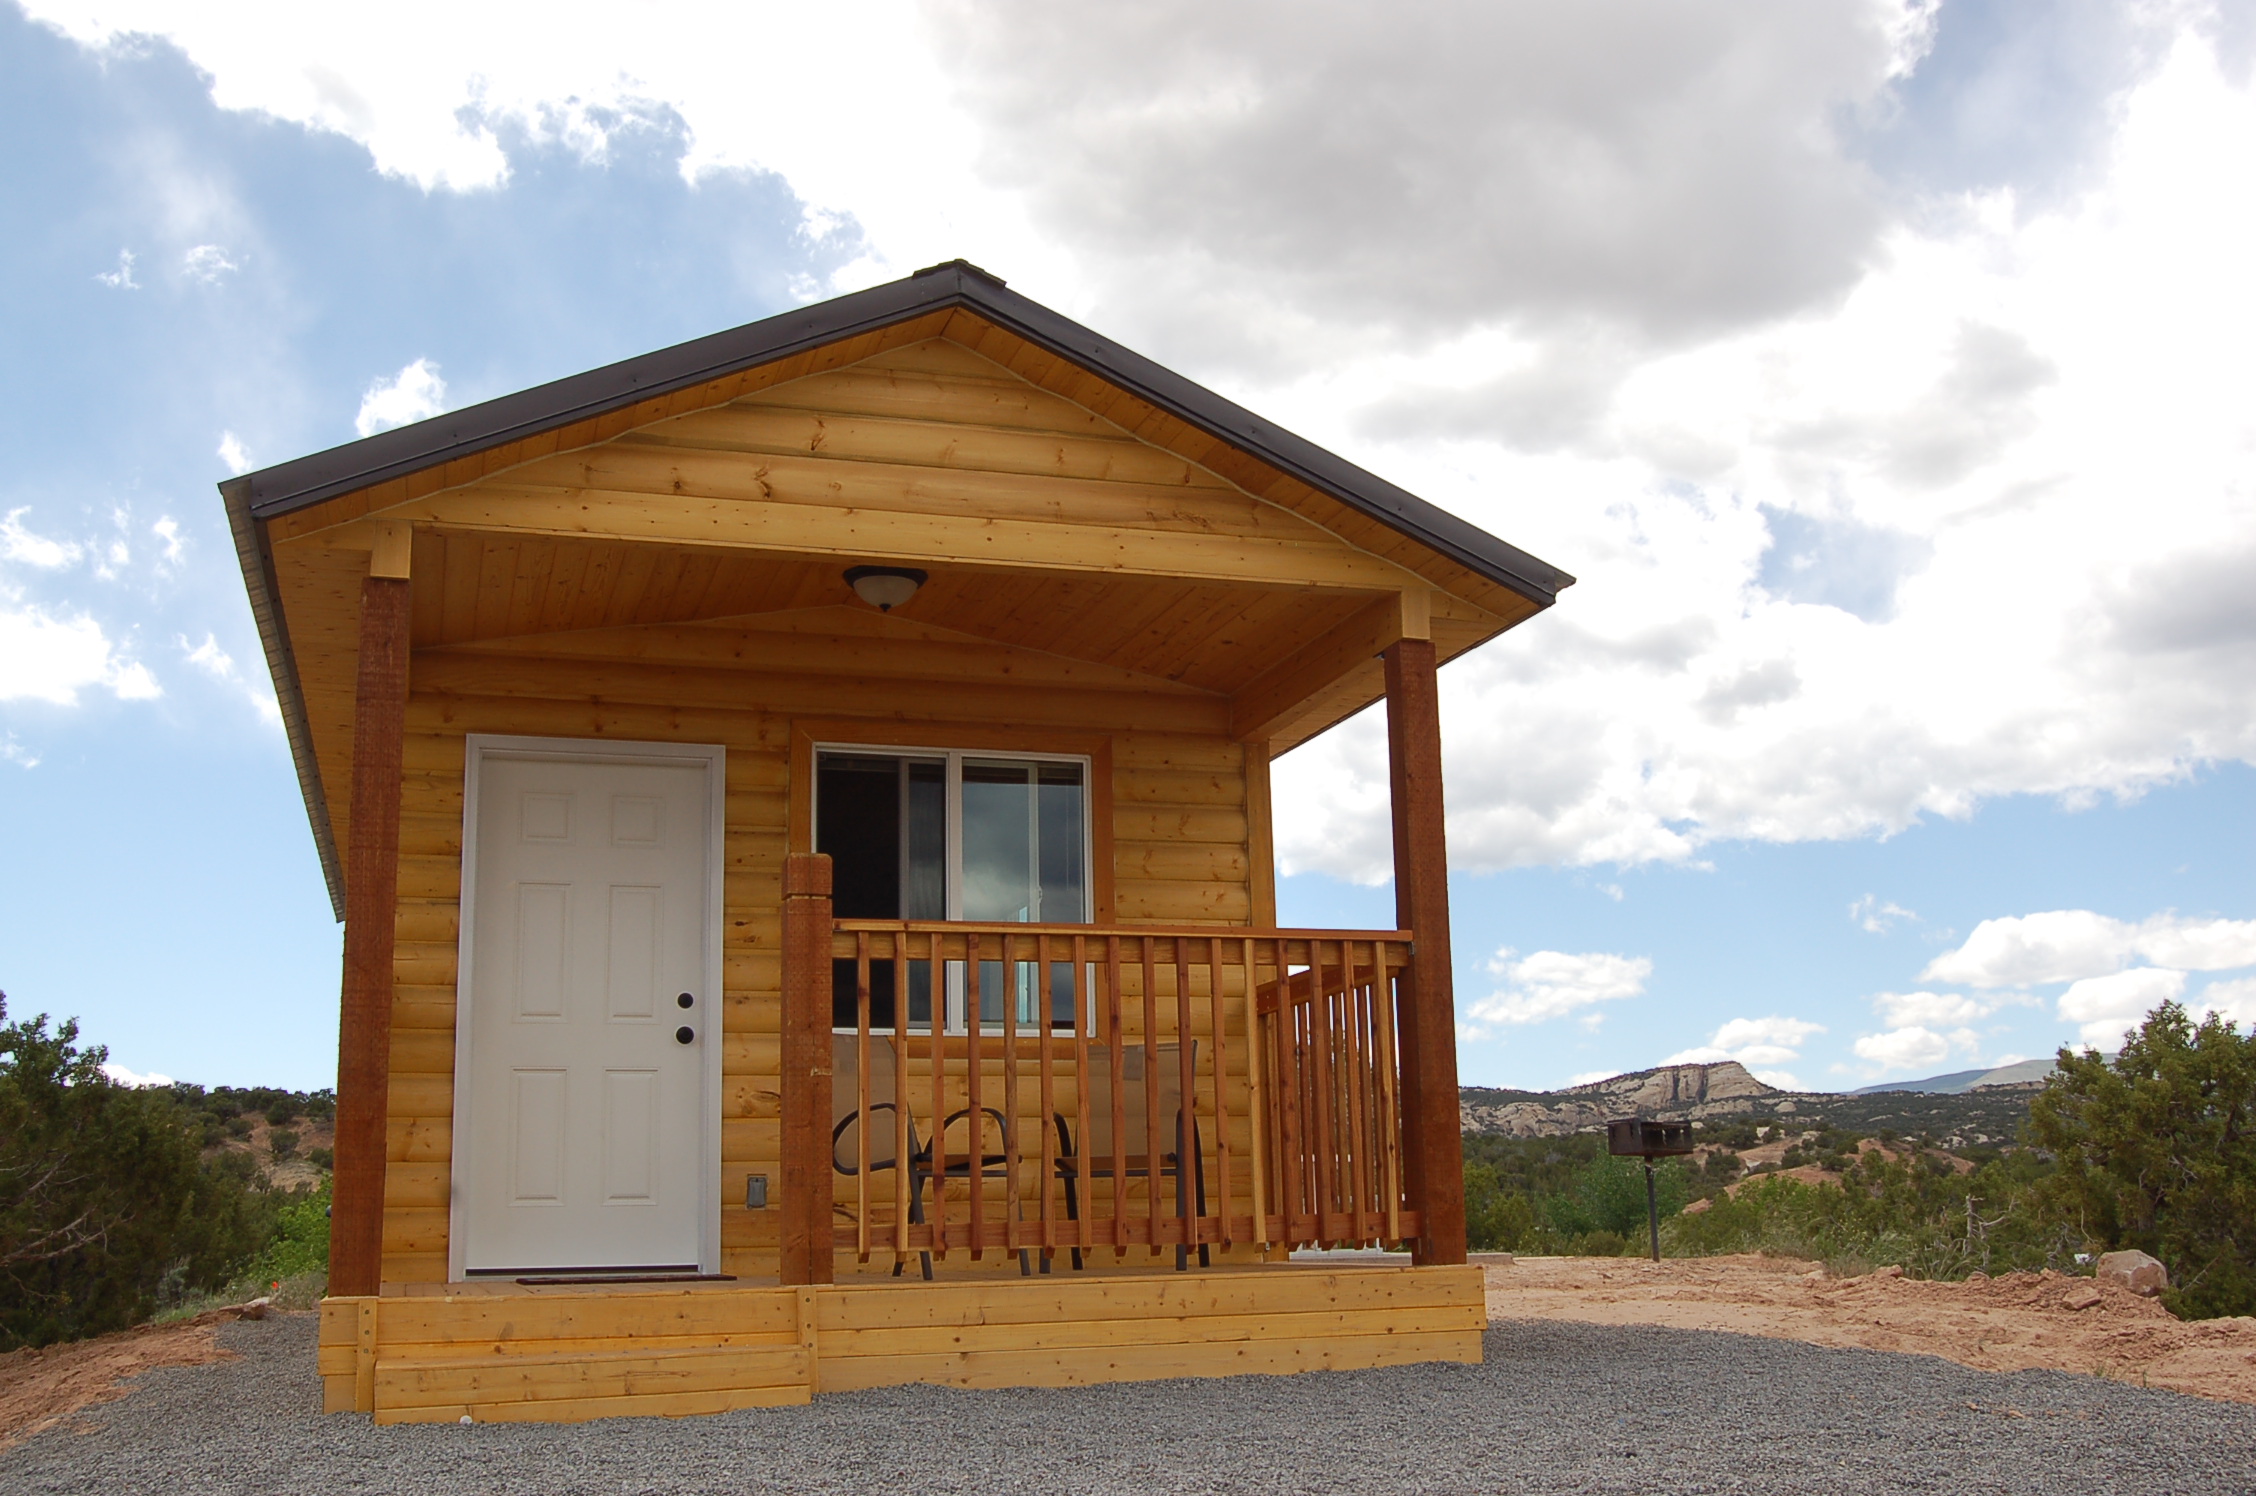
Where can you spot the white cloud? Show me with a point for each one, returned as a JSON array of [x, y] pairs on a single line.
[[1591, 1077], [1844, 463], [1876, 917], [416, 393], [120, 279], [1938, 1009], [167, 529], [220, 666], [2065, 945], [234, 453], [19, 544], [2107, 1006], [45, 658], [1914, 1047], [2235, 1001], [13, 752], [1760, 1044], [207, 263], [2197, 945], [135, 1078], [1554, 984]]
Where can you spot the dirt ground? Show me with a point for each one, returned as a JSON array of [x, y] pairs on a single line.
[[40, 1388], [2014, 1323]]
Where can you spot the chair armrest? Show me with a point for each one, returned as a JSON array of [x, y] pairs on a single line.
[[849, 1120]]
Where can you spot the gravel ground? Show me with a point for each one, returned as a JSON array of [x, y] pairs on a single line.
[[1558, 1407]]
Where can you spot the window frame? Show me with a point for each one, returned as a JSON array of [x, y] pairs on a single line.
[[952, 810], [955, 742], [852, 735]]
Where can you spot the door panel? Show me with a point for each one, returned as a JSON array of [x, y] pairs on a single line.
[[586, 1117]]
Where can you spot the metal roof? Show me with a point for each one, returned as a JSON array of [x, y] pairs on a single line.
[[294, 485]]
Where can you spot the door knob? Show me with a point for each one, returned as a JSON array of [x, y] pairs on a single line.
[[684, 1034], [685, 1000]]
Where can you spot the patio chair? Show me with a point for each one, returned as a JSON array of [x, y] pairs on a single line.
[[1093, 1158], [885, 1092]]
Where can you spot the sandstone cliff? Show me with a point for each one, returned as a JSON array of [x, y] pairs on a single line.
[[1669, 1093]]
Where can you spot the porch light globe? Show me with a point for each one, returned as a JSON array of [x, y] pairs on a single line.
[[884, 587]]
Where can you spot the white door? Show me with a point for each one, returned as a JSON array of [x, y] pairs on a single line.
[[584, 1099]]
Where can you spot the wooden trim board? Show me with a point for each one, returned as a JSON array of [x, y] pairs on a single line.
[[568, 1354]]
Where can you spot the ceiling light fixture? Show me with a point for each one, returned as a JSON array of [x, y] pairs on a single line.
[[884, 587]]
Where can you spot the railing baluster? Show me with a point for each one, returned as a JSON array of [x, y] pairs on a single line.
[[1185, 1120], [1083, 1011], [1046, 1144], [1358, 1087], [901, 1094], [1291, 1088], [1009, 1108], [1326, 1076], [1117, 1043], [1258, 1131], [939, 1143], [1151, 1087], [1390, 1117], [862, 1094], [1221, 1074], [976, 1150]]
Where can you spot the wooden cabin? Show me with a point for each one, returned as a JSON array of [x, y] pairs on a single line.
[[799, 806]]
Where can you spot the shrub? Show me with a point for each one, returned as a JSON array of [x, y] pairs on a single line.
[[1608, 1195], [322, 1158], [105, 1207], [301, 1239], [283, 1141], [281, 1111], [2158, 1151], [1496, 1220]]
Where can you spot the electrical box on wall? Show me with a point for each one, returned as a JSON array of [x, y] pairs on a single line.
[[756, 1192]]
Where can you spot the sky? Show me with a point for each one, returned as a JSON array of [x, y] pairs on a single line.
[[1879, 369]]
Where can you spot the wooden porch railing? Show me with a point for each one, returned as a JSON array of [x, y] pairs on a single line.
[[1185, 1088]]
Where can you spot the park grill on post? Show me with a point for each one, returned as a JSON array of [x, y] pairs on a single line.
[[1635, 1138]]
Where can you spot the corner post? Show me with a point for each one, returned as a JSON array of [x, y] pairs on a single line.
[[364, 1023], [1433, 1146], [805, 1250]]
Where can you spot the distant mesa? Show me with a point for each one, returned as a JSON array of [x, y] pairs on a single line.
[[1971, 1108], [1958, 1082], [1671, 1092]]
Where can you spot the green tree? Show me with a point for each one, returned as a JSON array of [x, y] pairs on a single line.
[[2158, 1151], [1608, 1194], [1497, 1218], [105, 1206]]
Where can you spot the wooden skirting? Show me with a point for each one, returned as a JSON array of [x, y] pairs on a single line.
[[568, 1354]]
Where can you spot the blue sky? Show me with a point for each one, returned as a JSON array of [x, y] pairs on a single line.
[[1899, 723]]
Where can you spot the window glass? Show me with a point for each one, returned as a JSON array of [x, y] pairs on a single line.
[[998, 841], [884, 819]]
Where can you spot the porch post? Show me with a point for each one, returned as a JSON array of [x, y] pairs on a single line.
[[1428, 1017], [364, 1026], [805, 1250]]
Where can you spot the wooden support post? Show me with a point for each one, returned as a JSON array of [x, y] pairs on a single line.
[[364, 1026], [1428, 1017], [805, 1253], [1261, 844]]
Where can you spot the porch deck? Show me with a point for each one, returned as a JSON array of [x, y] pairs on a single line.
[[566, 1353]]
